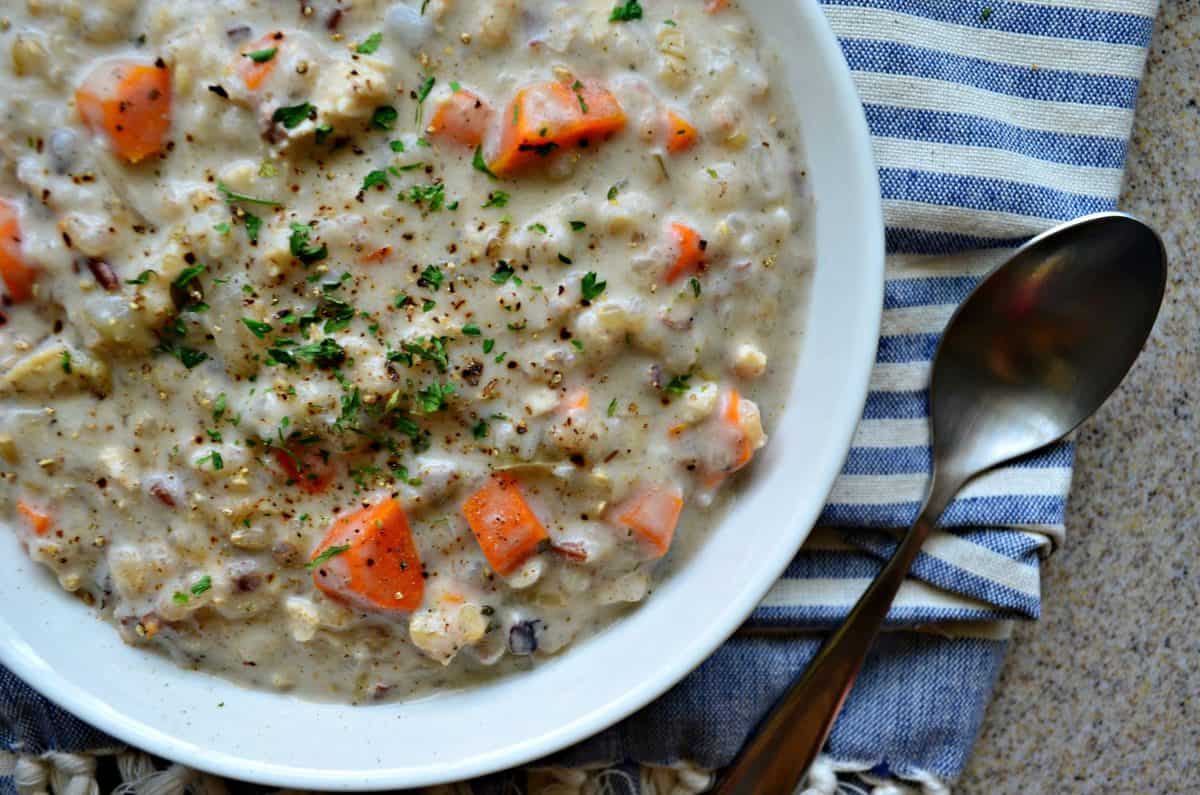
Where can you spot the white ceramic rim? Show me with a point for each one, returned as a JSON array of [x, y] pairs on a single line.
[[148, 703]]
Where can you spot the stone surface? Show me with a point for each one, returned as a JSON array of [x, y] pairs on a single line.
[[1103, 695]]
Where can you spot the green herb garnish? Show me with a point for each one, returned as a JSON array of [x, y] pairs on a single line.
[[326, 554], [292, 116], [369, 45], [590, 287], [626, 12]]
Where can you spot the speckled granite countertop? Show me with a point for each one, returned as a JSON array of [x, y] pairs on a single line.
[[1103, 695]]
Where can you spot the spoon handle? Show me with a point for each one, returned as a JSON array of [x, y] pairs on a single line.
[[791, 736]]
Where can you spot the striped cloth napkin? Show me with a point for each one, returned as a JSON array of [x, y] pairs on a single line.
[[992, 120]]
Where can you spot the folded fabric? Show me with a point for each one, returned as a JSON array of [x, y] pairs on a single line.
[[990, 122]]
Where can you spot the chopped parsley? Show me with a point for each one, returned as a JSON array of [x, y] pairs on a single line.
[[189, 357], [423, 94], [577, 343], [626, 12], [257, 327], [222, 228], [179, 598], [679, 384], [432, 195], [471, 330], [496, 198], [564, 259], [323, 132], [428, 305], [503, 273], [253, 225], [612, 407], [694, 283], [201, 585], [488, 345], [431, 277], [433, 397], [538, 227], [142, 277], [302, 249], [577, 87], [217, 463], [262, 56], [578, 226], [480, 164], [670, 23], [66, 361], [396, 146], [326, 554], [369, 45], [384, 117], [376, 177], [325, 354], [292, 116], [187, 276], [233, 196], [613, 191], [480, 430], [219, 407], [590, 287]]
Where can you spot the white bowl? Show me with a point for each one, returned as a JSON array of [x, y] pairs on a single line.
[[54, 644]]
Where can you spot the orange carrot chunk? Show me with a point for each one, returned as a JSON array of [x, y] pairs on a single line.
[[462, 118], [377, 256], [256, 61], [39, 521], [652, 513], [503, 523], [551, 117], [681, 135], [728, 428], [731, 418], [368, 558], [713, 6], [129, 102], [576, 400], [689, 254], [14, 269], [305, 467]]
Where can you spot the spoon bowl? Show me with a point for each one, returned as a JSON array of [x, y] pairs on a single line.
[[1043, 341], [1037, 347]]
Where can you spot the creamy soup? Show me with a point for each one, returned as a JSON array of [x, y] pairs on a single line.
[[360, 349]]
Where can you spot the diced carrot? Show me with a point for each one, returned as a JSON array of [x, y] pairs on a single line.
[[503, 523], [689, 254], [576, 400], [652, 513], [731, 414], [463, 118], [681, 135], [17, 274], [129, 101], [305, 467], [376, 257], [730, 431], [713, 6], [549, 117], [39, 521], [255, 72], [369, 558]]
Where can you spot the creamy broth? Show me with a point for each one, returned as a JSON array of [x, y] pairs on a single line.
[[363, 349]]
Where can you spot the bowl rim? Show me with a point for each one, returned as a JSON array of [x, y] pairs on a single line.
[[20, 657]]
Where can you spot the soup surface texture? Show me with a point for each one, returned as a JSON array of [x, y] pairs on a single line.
[[362, 349]]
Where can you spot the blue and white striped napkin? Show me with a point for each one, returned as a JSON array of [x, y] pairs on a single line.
[[992, 120]]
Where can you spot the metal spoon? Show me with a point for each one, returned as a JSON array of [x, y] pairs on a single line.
[[1038, 346]]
